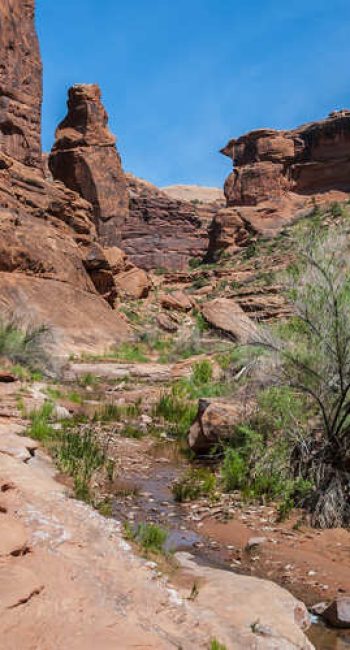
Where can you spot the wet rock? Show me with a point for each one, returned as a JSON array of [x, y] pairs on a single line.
[[338, 613]]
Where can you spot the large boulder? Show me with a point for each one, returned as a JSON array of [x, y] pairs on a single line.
[[134, 283], [338, 613], [216, 421], [176, 300], [227, 316]]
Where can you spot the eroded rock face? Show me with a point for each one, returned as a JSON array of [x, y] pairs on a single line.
[[309, 159], [276, 175], [162, 232], [84, 157], [20, 83]]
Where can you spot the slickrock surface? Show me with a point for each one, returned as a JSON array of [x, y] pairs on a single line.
[[84, 157], [20, 83], [195, 193], [69, 580]]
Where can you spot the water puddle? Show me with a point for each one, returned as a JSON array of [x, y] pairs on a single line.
[[324, 638]]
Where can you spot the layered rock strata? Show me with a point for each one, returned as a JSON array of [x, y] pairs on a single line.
[[277, 176], [52, 269], [20, 83], [84, 157], [309, 159], [162, 232]]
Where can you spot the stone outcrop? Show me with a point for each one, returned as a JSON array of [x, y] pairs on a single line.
[[276, 176], [84, 157], [20, 83], [52, 269], [162, 232], [309, 159]]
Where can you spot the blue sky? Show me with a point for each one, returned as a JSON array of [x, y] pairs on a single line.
[[181, 77]]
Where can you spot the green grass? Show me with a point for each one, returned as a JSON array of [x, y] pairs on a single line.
[[80, 455], [149, 537], [117, 412], [193, 484], [24, 345], [40, 427], [89, 380]]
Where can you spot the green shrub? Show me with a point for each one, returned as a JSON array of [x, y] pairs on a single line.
[[194, 484], [202, 372], [149, 536], [40, 427], [24, 345], [80, 455], [176, 410]]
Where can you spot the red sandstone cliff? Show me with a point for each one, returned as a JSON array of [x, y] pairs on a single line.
[[20, 83], [52, 270], [84, 157], [276, 176]]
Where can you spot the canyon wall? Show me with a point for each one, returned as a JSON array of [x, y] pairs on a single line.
[[309, 159], [20, 83], [277, 176], [52, 269]]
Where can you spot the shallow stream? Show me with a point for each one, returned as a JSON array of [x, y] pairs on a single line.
[[155, 503]]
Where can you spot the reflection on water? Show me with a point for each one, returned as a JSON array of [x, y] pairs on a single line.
[[325, 639]]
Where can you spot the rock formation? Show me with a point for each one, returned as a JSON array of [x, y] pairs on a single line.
[[275, 176], [162, 232], [20, 83], [310, 159], [52, 270], [84, 157]]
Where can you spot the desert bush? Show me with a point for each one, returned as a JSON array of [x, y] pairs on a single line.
[[24, 345], [40, 427], [314, 361]]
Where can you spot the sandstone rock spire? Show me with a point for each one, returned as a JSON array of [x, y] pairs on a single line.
[[84, 157]]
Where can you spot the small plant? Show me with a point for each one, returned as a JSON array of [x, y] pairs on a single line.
[[194, 484], [105, 508], [79, 455], [216, 645], [40, 427], [75, 397], [202, 372], [88, 380], [149, 536], [24, 345]]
